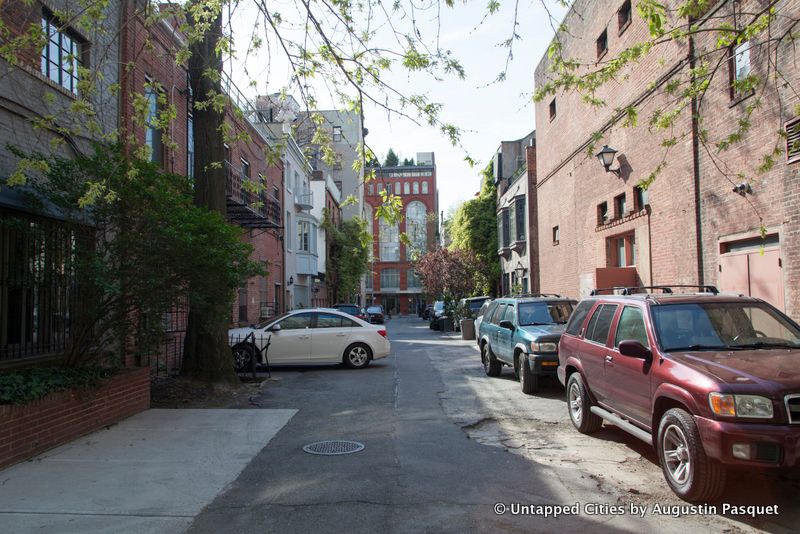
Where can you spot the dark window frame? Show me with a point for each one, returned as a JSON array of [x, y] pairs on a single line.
[[553, 110], [624, 17], [602, 44], [602, 213], [79, 49]]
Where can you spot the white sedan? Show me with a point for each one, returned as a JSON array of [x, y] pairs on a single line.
[[309, 337]]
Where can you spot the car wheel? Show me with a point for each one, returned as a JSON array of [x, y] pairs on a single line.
[[579, 405], [357, 356], [691, 474], [243, 357], [491, 365], [528, 382]]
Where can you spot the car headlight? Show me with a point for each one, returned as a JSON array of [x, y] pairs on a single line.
[[728, 405], [544, 347]]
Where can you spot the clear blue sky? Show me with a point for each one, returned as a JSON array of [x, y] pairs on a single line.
[[487, 112]]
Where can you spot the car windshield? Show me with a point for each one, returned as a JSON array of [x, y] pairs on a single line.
[[374, 309], [722, 325], [438, 306], [353, 310], [539, 313]]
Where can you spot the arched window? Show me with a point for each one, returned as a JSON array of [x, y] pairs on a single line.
[[416, 188], [389, 188], [416, 228], [397, 189], [389, 241], [407, 188], [424, 188]]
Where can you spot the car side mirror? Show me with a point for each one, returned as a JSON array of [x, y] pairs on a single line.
[[634, 349], [506, 324], [275, 328]]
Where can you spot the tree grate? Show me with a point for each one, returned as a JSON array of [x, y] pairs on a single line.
[[333, 447]]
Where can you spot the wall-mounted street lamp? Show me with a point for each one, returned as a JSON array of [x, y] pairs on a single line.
[[606, 157], [520, 270], [291, 281]]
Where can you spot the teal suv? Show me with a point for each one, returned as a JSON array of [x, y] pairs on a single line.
[[523, 332]]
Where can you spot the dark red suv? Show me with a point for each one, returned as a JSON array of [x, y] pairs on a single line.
[[711, 380]]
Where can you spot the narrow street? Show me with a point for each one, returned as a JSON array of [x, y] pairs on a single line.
[[443, 445]]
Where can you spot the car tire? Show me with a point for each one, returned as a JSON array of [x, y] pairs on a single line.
[[357, 356], [491, 365], [579, 406], [243, 355], [528, 382], [691, 474]]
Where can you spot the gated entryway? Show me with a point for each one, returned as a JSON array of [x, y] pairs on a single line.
[[753, 267]]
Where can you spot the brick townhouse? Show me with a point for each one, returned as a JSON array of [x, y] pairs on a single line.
[[394, 283], [149, 51], [597, 228], [34, 307]]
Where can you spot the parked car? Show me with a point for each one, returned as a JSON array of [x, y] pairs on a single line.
[[426, 313], [375, 314], [468, 309], [352, 309], [523, 333], [711, 381], [479, 320], [309, 337], [437, 312]]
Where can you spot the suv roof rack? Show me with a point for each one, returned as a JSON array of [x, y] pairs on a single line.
[[665, 289], [532, 295]]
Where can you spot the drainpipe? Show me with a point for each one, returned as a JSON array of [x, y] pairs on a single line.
[[696, 171]]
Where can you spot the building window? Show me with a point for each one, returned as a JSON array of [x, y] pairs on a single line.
[[288, 234], [519, 213], [602, 44], [619, 206], [306, 231], [62, 55], [227, 150], [553, 109], [624, 16], [368, 281], [424, 188], [389, 188], [622, 250], [152, 133], [556, 235], [242, 304], [398, 189], [245, 169], [337, 164], [740, 70], [189, 145], [406, 188], [506, 228], [602, 213], [641, 196], [337, 134], [370, 189], [389, 236], [416, 228], [416, 188], [412, 280], [390, 279]]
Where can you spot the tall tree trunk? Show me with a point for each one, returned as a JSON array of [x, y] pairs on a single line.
[[206, 353]]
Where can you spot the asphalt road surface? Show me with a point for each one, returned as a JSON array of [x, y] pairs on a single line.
[[447, 448]]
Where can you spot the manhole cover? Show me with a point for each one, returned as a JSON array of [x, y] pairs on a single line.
[[333, 447]]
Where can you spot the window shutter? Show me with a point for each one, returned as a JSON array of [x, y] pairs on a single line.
[[793, 141]]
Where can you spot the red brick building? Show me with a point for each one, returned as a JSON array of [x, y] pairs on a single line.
[[149, 48], [597, 228], [393, 283]]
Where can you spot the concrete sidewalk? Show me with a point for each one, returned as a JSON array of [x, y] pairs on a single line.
[[151, 473]]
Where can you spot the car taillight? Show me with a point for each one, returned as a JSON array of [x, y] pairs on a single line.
[[382, 332]]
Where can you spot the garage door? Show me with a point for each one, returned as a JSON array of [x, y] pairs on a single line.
[[750, 271]]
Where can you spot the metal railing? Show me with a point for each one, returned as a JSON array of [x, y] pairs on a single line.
[[261, 203]]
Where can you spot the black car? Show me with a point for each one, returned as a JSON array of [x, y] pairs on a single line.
[[426, 313], [375, 314], [351, 309]]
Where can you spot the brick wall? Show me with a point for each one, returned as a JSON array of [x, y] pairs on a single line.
[[61, 417]]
